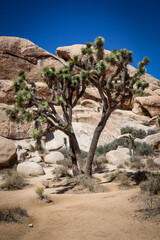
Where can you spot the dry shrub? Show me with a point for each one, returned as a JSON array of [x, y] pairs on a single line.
[[83, 184], [12, 214], [149, 205], [137, 165], [151, 164], [151, 185], [40, 192], [121, 177], [98, 165], [13, 181], [61, 172], [65, 163]]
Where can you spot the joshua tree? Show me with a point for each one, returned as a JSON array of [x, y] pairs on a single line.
[[66, 88], [130, 140], [68, 85]]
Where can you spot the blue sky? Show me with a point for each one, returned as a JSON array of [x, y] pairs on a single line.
[[130, 24]]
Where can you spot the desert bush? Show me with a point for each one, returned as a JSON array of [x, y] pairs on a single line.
[[112, 176], [61, 172], [65, 163], [39, 191], [98, 165], [124, 180], [151, 132], [139, 132], [12, 214], [137, 164], [13, 181], [84, 154], [140, 148], [151, 185], [151, 164], [143, 149], [149, 204], [82, 183], [120, 166], [111, 146]]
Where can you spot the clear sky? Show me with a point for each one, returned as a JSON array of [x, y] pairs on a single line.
[[131, 24]]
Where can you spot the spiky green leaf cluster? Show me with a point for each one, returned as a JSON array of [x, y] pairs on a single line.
[[42, 120], [43, 105], [35, 134], [119, 56], [101, 66], [99, 42], [59, 100], [75, 80]]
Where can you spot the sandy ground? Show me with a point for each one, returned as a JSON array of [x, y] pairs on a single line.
[[98, 216]]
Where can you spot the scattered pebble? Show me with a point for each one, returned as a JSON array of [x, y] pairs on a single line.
[[30, 225]]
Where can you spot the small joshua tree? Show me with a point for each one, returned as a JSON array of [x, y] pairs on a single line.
[[67, 86], [130, 140]]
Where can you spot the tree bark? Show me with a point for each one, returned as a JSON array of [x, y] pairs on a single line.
[[77, 151], [74, 160], [93, 146]]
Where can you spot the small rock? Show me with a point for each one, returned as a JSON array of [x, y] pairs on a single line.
[[30, 225]]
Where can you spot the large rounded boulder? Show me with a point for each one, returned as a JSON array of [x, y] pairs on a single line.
[[8, 156], [53, 157], [30, 169]]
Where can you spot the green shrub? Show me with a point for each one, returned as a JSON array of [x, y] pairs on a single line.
[[137, 165], [139, 132], [111, 146], [39, 191], [143, 149], [84, 154], [12, 214], [13, 181], [66, 162], [151, 185], [151, 132], [61, 172]]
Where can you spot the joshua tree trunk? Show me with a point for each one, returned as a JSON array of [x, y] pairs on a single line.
[[97, 132], [74, 160], [76, 151]]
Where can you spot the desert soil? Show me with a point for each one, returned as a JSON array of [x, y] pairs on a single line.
[[97, 216]]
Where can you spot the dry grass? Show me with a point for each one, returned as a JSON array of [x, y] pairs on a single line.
[[12, 214], [13, 181]]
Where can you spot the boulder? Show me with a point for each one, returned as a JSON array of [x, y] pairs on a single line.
[[157, 91], [8, 156], [36, 159], [53, 145], [90, 103], [13, 130], [153, 140], [147, 105], [53, 157], [118, 156], [18, 53], [157, 161], [30, 169]]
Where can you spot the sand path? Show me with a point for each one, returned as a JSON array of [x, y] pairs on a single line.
[[97, 216]]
